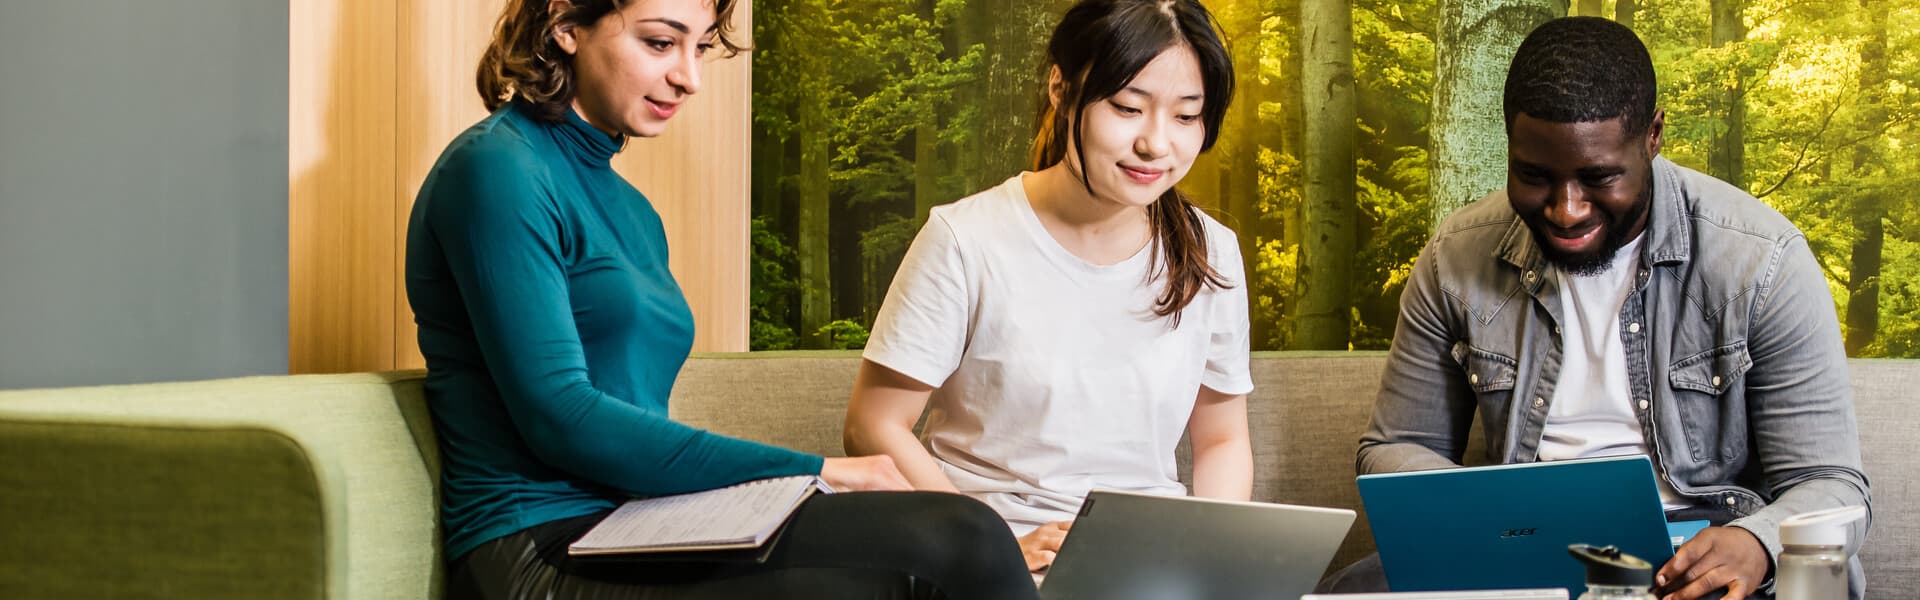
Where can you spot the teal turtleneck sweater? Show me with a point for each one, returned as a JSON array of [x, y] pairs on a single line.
[[553, 332]]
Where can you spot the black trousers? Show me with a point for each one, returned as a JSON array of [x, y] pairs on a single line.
[[853, 545]]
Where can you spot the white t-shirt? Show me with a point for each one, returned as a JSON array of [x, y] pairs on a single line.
[[1053, 375], [1593, 413]]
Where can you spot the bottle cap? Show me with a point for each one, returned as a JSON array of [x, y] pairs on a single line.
[[1821, 527], [1608, 566]]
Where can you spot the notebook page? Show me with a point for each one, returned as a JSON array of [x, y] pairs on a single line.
[[736, 515]]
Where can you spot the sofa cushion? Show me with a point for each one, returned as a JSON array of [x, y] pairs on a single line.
[[1884, 392], [793, 400]]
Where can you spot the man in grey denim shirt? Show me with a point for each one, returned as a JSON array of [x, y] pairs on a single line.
[[1735, 372]]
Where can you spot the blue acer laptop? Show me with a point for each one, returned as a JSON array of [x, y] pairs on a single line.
[[1508, 526]]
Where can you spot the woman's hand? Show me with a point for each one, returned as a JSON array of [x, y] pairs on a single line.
[[1041, 545], [863, 474]]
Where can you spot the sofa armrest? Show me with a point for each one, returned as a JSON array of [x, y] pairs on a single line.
[[133, 508]]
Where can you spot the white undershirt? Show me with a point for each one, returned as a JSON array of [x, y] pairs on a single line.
[[1053, 375], [1593, 412]]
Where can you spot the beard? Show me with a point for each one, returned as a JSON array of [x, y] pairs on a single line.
[[1597, 261]]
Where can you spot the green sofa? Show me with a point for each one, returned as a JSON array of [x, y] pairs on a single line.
[[322, 486]]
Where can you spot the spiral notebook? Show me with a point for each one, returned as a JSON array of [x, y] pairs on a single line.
[[730, 518]]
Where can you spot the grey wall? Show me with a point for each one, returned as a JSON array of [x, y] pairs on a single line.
[[143, 190]]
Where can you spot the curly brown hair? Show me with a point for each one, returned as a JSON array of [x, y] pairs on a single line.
[[524, 63]]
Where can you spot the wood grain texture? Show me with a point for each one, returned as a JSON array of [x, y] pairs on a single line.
[[340, 168]]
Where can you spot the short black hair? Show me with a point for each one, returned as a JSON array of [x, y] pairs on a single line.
[[1580, 70]]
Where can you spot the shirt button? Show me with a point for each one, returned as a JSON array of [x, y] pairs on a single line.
[[1633, 328], [1538, 402], [1643, 405], [1716, 381], [1473, 378]]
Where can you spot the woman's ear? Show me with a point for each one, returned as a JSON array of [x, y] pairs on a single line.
[[563, 33], [1056, 87]]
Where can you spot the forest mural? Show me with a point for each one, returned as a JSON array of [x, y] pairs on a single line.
[[1357, 125]]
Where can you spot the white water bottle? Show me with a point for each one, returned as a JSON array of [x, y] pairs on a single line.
[[1813, 555]]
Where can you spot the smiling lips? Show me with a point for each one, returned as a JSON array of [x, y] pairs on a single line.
[[663, 110], [1143, 174], [1573, 240]]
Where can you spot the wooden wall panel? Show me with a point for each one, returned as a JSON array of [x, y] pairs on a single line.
[[697, 177], [340, 169], [379, 88]]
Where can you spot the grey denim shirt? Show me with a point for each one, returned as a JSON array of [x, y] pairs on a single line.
[[1734, 356]]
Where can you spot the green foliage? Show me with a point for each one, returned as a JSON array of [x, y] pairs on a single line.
[[844, 334], [1274, 271], [773, 291], [1823, 128], [870, 73], [888, 241], [1823, 134]]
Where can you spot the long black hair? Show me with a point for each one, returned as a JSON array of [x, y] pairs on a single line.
[[1099, 46]]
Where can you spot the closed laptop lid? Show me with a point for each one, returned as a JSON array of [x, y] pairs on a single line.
[[1508, 526], [1127, 546]]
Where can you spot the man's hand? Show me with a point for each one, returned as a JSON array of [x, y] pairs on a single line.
[[1727, 558], [863, 474], [1041, 545]]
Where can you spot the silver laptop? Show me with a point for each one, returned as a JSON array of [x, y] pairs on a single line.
[[1125, 546]]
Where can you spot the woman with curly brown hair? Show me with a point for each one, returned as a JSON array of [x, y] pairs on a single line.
[[553, 332]]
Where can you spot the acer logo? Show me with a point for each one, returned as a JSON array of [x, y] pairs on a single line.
[[1514, 533]]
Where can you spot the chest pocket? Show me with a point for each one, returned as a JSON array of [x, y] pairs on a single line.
[[1712, 402], [1486, 372]]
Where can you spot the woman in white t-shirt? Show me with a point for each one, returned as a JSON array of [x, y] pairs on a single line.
[[1070, 324]]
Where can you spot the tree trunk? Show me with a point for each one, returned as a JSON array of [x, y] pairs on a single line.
[[926, 169], [1728, 156], [814, 238], [1326, 267], [1016, 34], [926, 149], [1869, 207], [1293, 133], [1240, 186], [768, 164], [1589, 8], [1863, 279], [1240, 181], [1472, 48], [1624, 11]]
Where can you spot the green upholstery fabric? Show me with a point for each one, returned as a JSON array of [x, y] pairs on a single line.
[[80, 491], [191, 467], [149, 491]]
